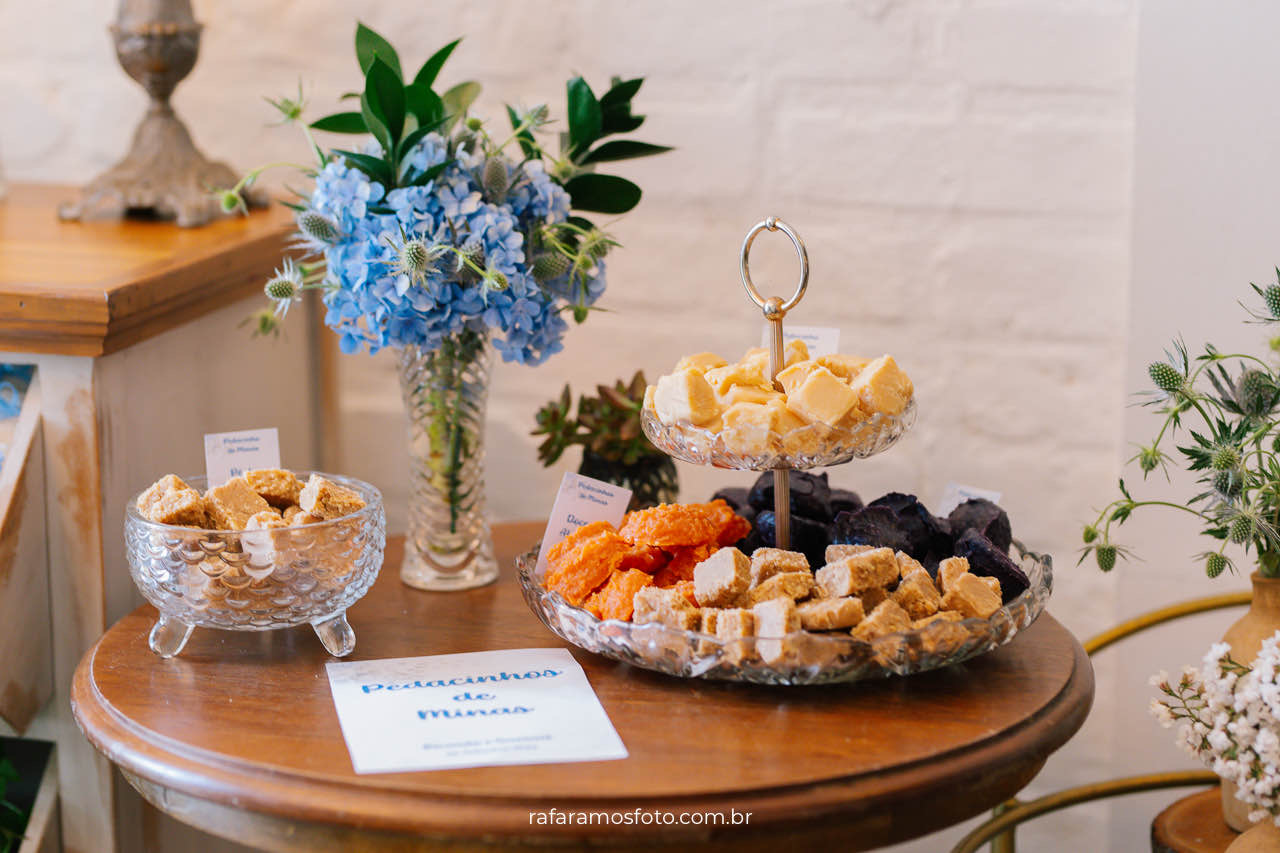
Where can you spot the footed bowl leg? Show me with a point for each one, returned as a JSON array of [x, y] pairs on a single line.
[[169, 636], [336, 634]]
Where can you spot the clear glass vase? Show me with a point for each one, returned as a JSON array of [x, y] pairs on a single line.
[[449, 545]]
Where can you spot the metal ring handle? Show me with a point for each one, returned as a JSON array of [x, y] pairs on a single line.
[[773, 223]]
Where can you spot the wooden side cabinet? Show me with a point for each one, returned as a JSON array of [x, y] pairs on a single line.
[[136, 333]]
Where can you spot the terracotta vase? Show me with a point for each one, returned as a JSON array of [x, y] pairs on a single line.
[[1245, 638]]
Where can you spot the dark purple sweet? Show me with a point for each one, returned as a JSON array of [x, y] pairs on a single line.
[[809, 537], [872, 525], [928, 537], [843, 500], [734, 496], [986, 518], [987, 559], [810, 494]]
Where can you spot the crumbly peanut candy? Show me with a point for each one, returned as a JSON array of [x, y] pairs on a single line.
[[822, 397], [665, 606], [908, 565], [950, 569], [825, 614], [971, 597], [302, 518], [767, 562], [326, 499], [887, 618], [290, 511], [847, 367], [158, 489], [701, 362], [993, 584], [792, 585], [277, 487], [775, 619], [791, 377], [835, 553], [735, 623], [265, 520], [721, 579], [882, 387], [918, 596], [708, 617], [940, 616], [684, 396], [872, 598], [184, 507], [852, 575], [232, 504]]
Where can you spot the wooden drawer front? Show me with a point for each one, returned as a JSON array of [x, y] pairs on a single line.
[[26, 654]]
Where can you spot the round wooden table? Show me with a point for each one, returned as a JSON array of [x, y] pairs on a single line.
[[238, 736], [1193, 824]]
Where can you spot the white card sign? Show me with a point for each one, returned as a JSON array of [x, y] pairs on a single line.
[[581, 501], [480, 709], [230, 454], [957, 493], [820, 340]]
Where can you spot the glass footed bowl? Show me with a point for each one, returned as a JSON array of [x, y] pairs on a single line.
[[812, 446], [798, 658], [257, 580]]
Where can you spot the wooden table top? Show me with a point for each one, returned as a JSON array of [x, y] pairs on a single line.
[[241, 729], [91, 288], [1193, 824]]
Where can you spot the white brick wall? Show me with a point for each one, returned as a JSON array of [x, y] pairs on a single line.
[[960, 170]]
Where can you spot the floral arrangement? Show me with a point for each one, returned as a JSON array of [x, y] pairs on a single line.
[[439, 227], [1228, 715], [1232, 441], [13, 820]]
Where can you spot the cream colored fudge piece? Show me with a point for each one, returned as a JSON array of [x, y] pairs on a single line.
[[971, 597], [701, 362], [822, 398], [887, 618], [232, 504], [847, 367], [665, 606], [758, 356], [707, 619], [792, 585], [917, 595], [794, 352], [326, 499], [268, 519], [277, 487], [950, 569], [743, 375], [787, 419], [908, 565], [650, 398], [747, 427], [852, 575], [183, 507], [684, 396], [839, 552], [748, 394], [735, 623], [721, 579], [826, 614], [775, 619], [791, 377], [882, 387], [767, 562], [993, 584]]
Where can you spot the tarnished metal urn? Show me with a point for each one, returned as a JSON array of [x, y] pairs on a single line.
[[164, 174]]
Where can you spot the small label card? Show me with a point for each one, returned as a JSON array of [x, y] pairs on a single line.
[[580, 501], [957, 493], [821, 340], [515, 706], [230, 454]]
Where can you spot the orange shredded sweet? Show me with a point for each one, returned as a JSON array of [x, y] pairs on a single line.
[[681, 566], [557, 551], [646, 558], [730, 527], [578, 571], [614, 600], [669, 526]]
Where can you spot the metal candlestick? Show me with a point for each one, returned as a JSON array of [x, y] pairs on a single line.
[[164, 174], [774, 310]]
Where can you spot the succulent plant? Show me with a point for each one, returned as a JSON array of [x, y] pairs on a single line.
[[607, 424]]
